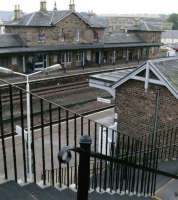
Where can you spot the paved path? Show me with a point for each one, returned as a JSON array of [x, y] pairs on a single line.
[[167, 188], [38, 144]]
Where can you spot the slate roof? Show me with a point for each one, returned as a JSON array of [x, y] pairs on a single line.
[[168, 69], [50, 18], [145, 26], [11, 40], [80, 46], [121, 38]]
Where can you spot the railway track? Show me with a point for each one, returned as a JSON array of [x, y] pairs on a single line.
[[45, 92]]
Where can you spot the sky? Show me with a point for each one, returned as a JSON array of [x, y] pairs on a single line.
[[100, 6]]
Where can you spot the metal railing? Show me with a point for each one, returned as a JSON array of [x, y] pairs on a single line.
[[64, 128]]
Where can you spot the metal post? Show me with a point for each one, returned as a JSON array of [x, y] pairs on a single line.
[[114, 57], [83, 59], [29, 130], [47, 60], [138, 56], [84, 168], [65, 62], [24, 64], [99, 57], [127, 56]]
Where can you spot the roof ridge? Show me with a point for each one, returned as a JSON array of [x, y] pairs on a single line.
[[30, 19], [52, 16]]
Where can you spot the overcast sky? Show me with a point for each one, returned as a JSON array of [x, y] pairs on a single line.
[[100, 6]]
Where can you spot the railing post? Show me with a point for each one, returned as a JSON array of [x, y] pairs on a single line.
[[84, 168]]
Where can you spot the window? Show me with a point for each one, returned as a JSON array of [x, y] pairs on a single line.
[[61, 34], [14, 61], [96, 35], [77, 35], [41, 37], [78, 57], [67, 56]]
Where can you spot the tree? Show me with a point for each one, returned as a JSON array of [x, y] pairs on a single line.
[[173, 18]]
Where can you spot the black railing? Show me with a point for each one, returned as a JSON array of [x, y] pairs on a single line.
[[64, 128], [134, 177]]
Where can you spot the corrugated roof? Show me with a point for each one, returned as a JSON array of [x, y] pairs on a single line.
[[50, 18], [11, 40], [112, 77]]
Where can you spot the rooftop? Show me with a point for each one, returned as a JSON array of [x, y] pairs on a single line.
[[73, 46], [145, 26], [165, 69], [50, 18], [11, 40], [121, 38]]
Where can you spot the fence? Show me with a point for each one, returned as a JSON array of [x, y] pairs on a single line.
[[53, 126]]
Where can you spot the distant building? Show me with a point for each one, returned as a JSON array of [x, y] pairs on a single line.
[[169, 37], [6, 16], [72, 39], [116, 23]]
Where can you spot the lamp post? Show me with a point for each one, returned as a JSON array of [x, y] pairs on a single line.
[[29, 137]]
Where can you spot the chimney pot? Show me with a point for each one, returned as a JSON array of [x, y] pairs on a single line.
[[43, 5]]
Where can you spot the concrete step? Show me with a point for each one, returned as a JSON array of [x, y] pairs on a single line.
[[66, 194], [12, 191], [37, 192]]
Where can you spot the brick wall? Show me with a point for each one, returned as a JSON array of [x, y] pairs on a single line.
[[150, 37], [136, 109]]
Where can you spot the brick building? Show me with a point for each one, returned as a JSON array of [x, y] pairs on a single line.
[[144, 96], [72, 39]]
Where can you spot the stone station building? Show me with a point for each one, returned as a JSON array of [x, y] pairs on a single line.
[[73, 39]]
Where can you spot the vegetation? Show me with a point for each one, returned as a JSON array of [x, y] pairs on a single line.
[[173, 18]]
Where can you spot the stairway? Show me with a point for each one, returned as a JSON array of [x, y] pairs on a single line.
[[12, 191]]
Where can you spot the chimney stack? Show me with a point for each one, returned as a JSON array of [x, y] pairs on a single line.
[[55, 6], [72, 5], [17, 12], [43, 6]]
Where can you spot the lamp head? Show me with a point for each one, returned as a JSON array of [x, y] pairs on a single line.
[[6, 70]]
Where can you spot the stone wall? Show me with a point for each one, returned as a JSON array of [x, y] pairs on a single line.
[[136, 108], [149, 36], [69, 30]]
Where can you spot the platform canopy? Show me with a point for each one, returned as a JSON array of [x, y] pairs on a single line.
[[162, 72]]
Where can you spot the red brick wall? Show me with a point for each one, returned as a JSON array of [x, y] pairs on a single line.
[[136, 108]]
